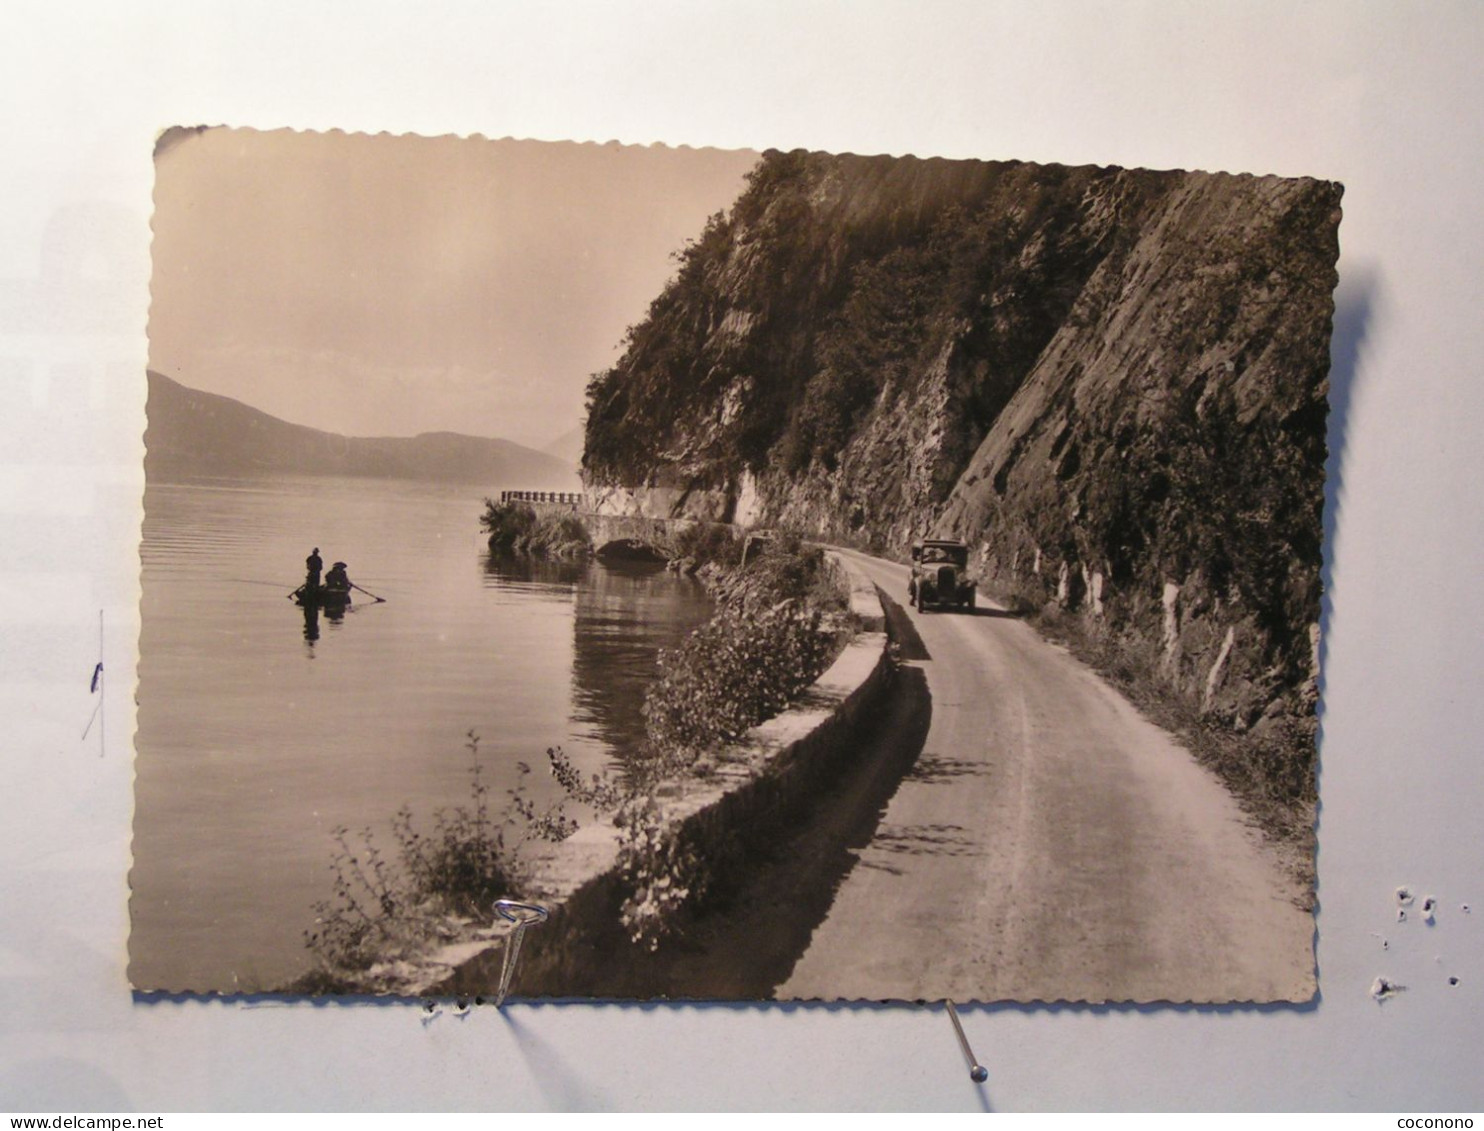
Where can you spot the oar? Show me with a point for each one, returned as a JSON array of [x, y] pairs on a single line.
[[295, 593], [368, 593]]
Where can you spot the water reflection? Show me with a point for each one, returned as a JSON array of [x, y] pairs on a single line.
[[312, 609], [626, 613], [516, 571]]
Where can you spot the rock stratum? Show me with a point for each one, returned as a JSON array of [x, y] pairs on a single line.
[[1110, 383]]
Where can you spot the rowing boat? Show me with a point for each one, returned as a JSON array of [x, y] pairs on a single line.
[[322, 597]]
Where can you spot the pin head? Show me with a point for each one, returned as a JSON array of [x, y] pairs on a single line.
[[979, 1074], [520, 913]]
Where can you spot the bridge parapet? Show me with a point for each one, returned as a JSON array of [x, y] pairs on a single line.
[[560, 498]]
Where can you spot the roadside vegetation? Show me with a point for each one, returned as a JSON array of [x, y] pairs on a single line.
[[713, 547], [780, 621]]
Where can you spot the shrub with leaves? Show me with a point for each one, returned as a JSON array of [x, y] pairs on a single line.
[[732, 673], [517, 528], [507, 523], [767, 641], [661, 873], [464, 864], [391, 908], [709, 543], [373, 916], [788, 569]]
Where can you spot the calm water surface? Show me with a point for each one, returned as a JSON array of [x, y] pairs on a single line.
[[262, 728]]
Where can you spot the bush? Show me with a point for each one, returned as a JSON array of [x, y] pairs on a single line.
[[765, 644], [669, 878], [464, 864], [789, 570], [732, 673], [559, 536], [387, 909], [507, 523], [709, 544], [517, 528]]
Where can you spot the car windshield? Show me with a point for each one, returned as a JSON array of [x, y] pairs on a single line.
[[956, 554]]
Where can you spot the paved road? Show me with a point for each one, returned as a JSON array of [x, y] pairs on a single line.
[[1050, 844]]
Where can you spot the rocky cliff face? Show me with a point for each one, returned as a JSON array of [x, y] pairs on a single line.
[[1110, 383]]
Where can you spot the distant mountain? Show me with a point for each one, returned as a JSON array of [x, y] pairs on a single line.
[[568, 446], [191, 433]]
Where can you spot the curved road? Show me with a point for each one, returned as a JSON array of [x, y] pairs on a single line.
[[1050, 844]]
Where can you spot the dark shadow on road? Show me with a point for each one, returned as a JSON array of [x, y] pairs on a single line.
[[977, 611], [926, 840], [981, 611], [936, 769], [902, 631]]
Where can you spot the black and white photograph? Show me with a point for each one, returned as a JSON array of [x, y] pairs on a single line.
[[597, 571]]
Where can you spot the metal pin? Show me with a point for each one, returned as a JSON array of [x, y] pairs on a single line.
[[977, 1072], [522, 915]]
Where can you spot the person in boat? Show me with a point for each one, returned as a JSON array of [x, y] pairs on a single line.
[[312, 565], [336, 580]]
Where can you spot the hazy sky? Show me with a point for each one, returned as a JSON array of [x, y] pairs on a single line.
[[377, 285]]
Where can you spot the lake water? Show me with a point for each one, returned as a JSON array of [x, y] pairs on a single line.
[[263, 728]]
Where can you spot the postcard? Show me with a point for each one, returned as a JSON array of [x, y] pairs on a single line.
[[727, 575]]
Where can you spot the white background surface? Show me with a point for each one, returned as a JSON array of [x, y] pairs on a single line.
[[1384, 97]]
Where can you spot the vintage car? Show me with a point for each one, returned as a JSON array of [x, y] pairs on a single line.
[[939, 568]]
